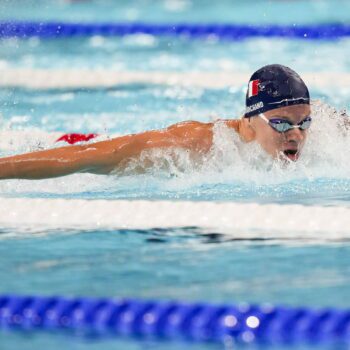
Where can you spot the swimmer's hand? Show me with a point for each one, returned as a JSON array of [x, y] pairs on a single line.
[[105, 156]]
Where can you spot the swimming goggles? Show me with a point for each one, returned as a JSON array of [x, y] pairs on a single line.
[[283, 125]]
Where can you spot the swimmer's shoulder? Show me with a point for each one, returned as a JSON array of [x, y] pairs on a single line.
[[242, 128], [192, 134], [232, 123], [190, 127]]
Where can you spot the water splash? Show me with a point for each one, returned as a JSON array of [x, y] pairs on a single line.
[[231, 171]]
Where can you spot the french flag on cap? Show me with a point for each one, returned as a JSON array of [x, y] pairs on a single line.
[[253, 88]]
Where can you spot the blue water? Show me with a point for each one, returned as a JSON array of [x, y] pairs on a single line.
[[185, 264], [236, 11], [148, 53], [170, 265]]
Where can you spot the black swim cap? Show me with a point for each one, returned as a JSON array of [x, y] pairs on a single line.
[[272, 87]]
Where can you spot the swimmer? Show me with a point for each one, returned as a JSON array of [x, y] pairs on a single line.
[[277, 117]]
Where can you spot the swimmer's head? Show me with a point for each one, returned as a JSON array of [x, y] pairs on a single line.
[[275, 86], [278, 110]]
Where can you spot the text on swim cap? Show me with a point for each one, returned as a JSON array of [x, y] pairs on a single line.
[[254, 107]]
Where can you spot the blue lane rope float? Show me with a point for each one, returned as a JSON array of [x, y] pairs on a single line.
[[175, 320], [221, 31]]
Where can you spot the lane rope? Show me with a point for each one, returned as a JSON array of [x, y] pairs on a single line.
[[220, 31], [46, 79], [173, 320], [288, 222]]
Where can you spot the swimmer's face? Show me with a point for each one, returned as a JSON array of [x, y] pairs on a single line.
[[280, 145]]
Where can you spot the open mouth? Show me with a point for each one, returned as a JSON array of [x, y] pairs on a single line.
[[291, 154]]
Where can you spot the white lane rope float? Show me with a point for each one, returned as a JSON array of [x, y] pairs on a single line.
[[43, 79], [241, 220]]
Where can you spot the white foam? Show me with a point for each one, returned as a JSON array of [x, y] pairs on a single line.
[[34, 139], [28, 139]]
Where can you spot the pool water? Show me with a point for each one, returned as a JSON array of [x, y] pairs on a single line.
[[165, 11], [186, 264], [176, 264], [148, 53]]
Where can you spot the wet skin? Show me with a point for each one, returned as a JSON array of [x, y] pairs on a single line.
[[281, 145]]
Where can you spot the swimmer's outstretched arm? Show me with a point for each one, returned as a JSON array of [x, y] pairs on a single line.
[[104, 156]]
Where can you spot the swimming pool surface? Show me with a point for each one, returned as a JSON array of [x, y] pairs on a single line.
[[185, 264], [165, 11]]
